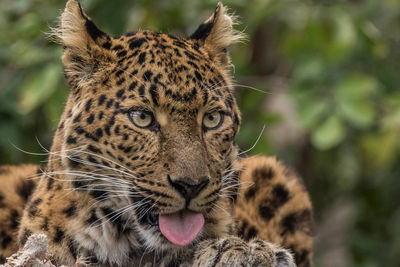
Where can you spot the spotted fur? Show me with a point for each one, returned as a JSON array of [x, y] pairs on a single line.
[[107, 178]]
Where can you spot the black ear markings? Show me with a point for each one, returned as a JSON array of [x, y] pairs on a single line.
[[81, 10], [217, 34], [76, 28], [204, 30], [86, 54], [217, 9], [93, 31], [91, 28]]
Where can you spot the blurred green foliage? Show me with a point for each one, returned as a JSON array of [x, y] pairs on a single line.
[[338, 64]]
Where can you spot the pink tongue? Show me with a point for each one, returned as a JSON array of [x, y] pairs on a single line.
[[181, 228]]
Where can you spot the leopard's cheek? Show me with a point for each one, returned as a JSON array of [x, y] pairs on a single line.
[[139, 157], [219, 143]]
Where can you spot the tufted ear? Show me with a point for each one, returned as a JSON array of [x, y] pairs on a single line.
[[86, 47], [217, 33]]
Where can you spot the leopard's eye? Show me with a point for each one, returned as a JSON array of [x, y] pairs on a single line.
[[213, 120], [141, 119]]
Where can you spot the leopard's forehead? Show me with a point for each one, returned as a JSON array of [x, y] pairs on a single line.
[[164, 71]]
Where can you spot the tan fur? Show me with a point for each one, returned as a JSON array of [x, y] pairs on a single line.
[[72, 34], [260, 176], [108, 180], [16, 185], [222, 34]]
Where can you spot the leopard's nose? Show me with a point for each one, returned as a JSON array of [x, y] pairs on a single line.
[[187, 187]]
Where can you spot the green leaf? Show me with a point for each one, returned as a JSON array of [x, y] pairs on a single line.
[[345, 33], [354, 99], [360, 113], [38, 87], [343, 38], [310, 114], [329, 134], [311, 68], [356, 86]]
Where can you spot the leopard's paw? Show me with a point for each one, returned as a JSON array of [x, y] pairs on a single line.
[[233, 251]]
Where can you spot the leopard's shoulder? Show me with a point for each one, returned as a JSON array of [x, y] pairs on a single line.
[[273, 204], [17, 183]]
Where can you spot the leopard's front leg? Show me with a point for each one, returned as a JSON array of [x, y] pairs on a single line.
[[233, 251]]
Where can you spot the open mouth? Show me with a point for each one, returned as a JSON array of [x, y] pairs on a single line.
[[180, 228]]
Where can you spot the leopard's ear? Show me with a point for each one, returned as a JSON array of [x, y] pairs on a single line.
[[217, 33], [85, 46]]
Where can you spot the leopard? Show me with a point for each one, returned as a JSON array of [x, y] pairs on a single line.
[[144, 169]]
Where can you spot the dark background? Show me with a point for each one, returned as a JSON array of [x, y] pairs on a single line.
[[330, 70]]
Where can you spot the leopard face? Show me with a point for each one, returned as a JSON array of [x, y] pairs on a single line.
[[150, 124]]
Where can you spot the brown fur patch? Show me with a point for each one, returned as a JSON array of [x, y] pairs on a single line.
[[17, 184], [276, 203]]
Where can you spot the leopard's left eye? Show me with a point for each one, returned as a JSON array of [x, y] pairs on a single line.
[[213, 120], [141, 119]]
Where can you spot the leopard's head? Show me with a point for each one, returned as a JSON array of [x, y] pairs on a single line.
[[150, 122]]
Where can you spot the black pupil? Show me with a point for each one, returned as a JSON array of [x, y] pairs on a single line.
[[211, 117], [142, 115]]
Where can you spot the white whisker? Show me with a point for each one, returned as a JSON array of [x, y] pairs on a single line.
[[253, 146]]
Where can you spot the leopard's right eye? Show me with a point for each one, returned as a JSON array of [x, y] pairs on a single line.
[[213, 120], [141, 119]]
